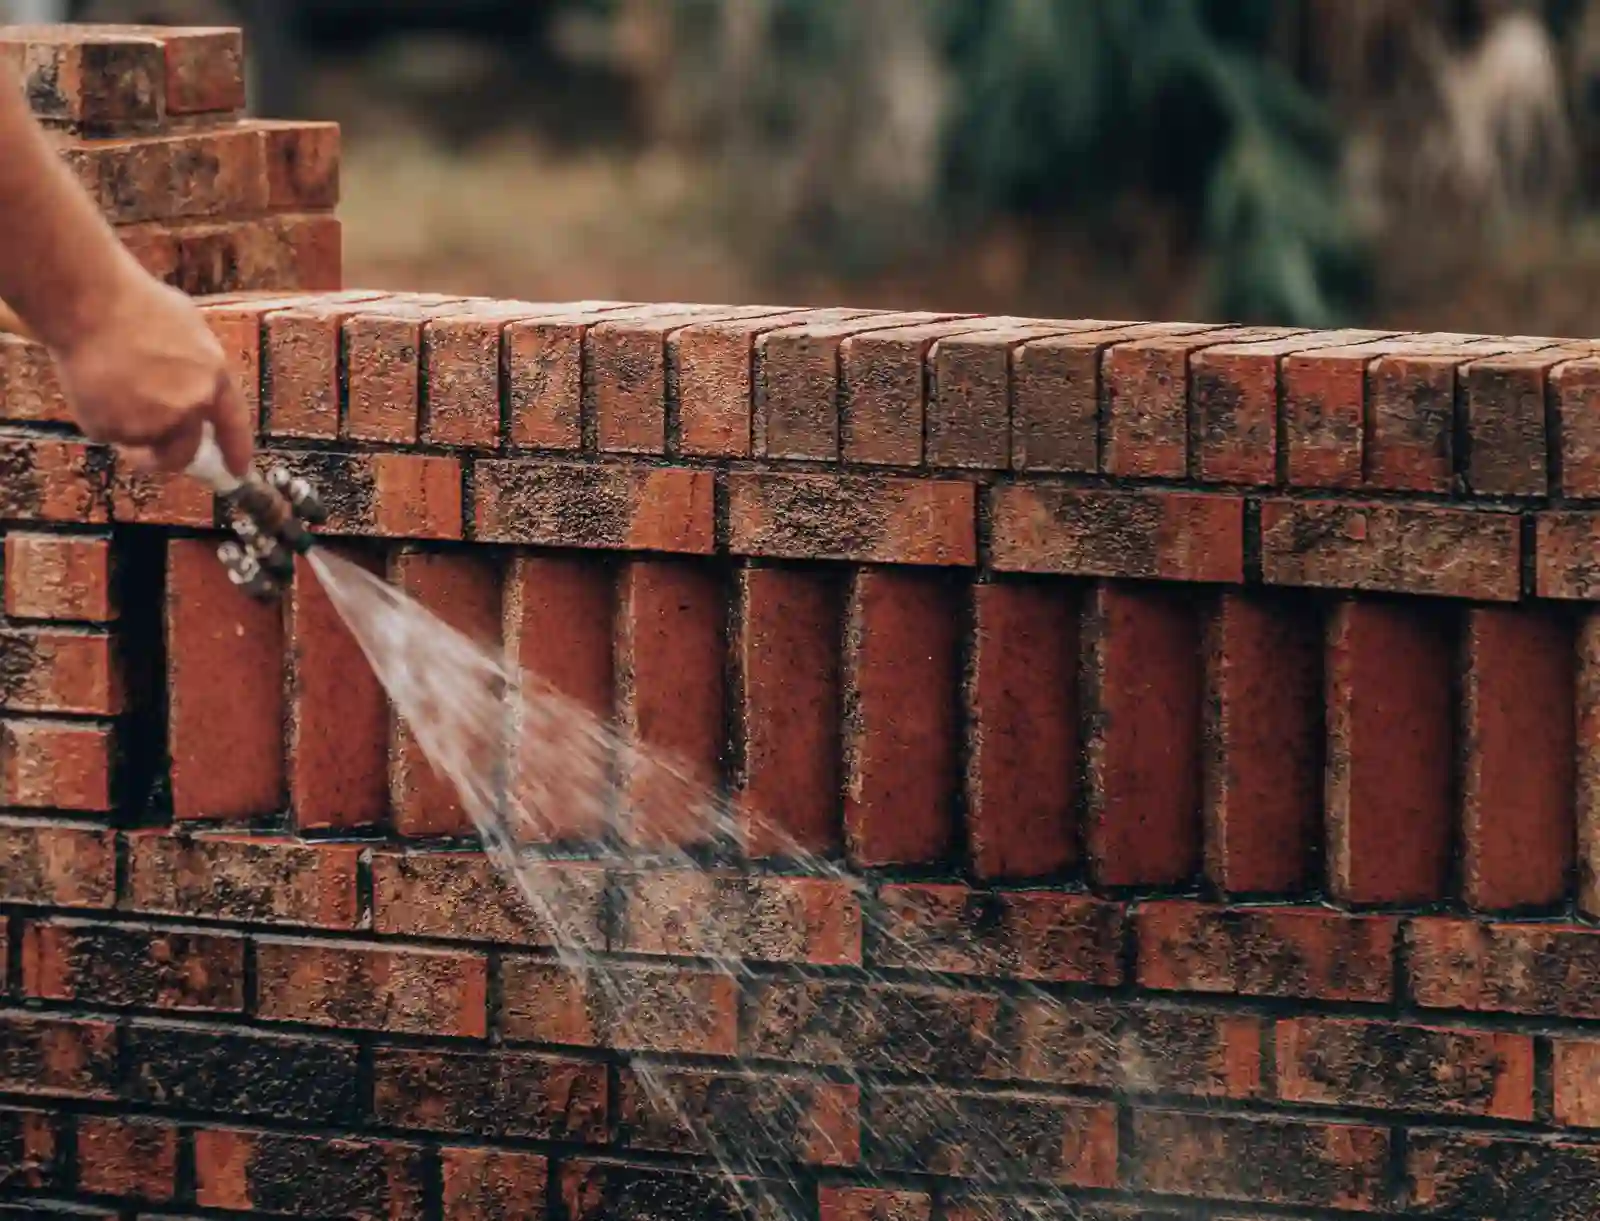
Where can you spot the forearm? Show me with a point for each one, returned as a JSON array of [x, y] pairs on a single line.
[[59, 259]]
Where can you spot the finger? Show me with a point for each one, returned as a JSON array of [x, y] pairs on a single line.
[[177, 449], [231, 419]]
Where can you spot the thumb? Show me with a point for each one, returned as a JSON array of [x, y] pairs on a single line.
[[230, 417]]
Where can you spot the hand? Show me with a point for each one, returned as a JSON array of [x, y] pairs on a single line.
[[146, 373]]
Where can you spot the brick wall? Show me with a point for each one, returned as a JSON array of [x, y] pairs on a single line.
[[1203, 721]]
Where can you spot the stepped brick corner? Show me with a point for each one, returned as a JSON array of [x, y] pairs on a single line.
[[1206, 721]]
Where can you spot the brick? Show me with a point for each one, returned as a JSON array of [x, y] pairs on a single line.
[[1383, 1066], [135, 1158], [558, 618], [57, 1057], [304, 369], [863, 518], [969, 409], [1143, 689], [234, 877], [1234, 390], [71, 960], [716, 373], [307, 1176], [1263, 744], [288, 251], [1011, 1136], [225, 690], [1478, 1177], [463, 591], [388, 495], [161, 499], [384, 397], [1576, 1075], [654, 1009], [1264, 1161], [55, 765], [100, 83], [59, 576], [463, 896], [1575, 410], [1035, 935], [740, 1117], [461, 380], [598, 1191], [670, 700], [1504, 410], [544, 361], [883, 391], [48, 864], [787, 674], [205, 69], [181, 176], [52, 480], [1520, 741], [485, 1184], [1022, 731], [410, 991], [30, 390], [1146, 389], [607, 507], [30, 1148], [59, 670], [337, 712], [1563, 567], [302, 162], [1505, 968], [694, 913], [796, 385], [873, 1204], [1391, 748], [1448, 553], [500, 1093], [244, 1073], [1586, 765], [1302, 954], [1176, 536], [902, 679], [1411, 422]]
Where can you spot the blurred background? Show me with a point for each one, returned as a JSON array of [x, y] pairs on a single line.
[[1431, 164]]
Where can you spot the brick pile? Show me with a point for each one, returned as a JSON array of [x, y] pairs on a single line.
[[1206, 718]]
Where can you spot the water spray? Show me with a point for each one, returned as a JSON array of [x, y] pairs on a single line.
[[270, 518]]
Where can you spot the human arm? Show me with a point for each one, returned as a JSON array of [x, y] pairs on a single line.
[[137, 361]]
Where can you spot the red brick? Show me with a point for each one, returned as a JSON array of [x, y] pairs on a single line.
[[490, 1184], [1505, 422], [787, 665], [135, 1158], [1306, 953], [301, 352], [1235, 388], [1036, 935], [308, 1176], [655, 1009], [49, 864], [544, 371], [716, 363], [160, 498], [205, 69], [1263, 744], [59, 670], [1325, 413], [290, 250], [73, 960], [1564, 567], [1144, 690], [670, 699], [1146, 381], [969, 411], [55, 765], [464, 896], [873, 1204], [1520, 743], [1390, 752], [902, 679], [59, 576], [461, 362], [1447, 553], [409, 991], [307, 252], [30, 1148], [302, 165], [102, 81], [383, 366], [1411, 422], [1460, 1174], [883, 391], [1577, 1083], [740, 1115], [245, 878], [57, 1057], [415, 496], [1575, 406], [52, 480], [598, 1191], [1265, 1161], [1008, 1136], [463, 590], [1587, 763], [607, 507], [338, 714], [796, 401], [1544, 969], [864, 518], [239, 333], [1179, 536], [1022, 722], [559, 612], [699, 914], [178, 176], [30, 391], [225, 691]]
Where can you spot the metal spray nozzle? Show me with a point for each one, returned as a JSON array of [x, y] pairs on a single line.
[[269, 518]]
